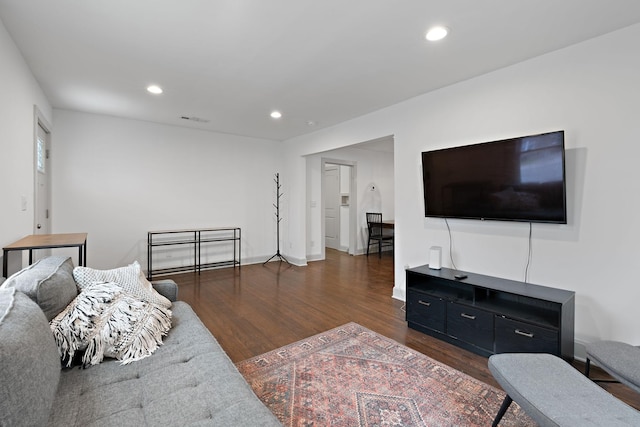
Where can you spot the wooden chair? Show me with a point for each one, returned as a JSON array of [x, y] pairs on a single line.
[[377, 234]]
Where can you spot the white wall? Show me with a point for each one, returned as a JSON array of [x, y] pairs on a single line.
[[117, 179], [591, 91], [20, 93]]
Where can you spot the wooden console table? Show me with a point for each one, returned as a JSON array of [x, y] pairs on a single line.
[[194, 237], [47, 241]]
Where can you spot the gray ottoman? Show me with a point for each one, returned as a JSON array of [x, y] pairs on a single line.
[[620, 360], [553, 393]]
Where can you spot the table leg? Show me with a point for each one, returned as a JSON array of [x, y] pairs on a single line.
[[149, 260], [5, 264]]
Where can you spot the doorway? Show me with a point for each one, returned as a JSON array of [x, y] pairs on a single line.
[[338, 205], [332, 206], [372, 161]]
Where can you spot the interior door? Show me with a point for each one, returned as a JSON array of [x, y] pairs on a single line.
[[332, 206], [42, 208]]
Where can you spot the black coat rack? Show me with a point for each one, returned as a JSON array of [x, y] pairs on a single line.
[[278, 219]]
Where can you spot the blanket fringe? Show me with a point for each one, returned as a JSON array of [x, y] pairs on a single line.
[[104, 320]]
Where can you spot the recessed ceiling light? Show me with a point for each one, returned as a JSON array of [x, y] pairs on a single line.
[[276, 114], [437, 33], [155, 89]]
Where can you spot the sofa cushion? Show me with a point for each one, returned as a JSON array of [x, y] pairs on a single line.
[[130, 278], [167, 288], [188, 381], [49, 282], [104, 320], [29, 361]]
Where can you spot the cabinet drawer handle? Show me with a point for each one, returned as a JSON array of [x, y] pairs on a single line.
[[468, 316], [424, 303], [524, 334]]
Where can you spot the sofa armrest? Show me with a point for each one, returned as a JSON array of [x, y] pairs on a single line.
[[167, 288]]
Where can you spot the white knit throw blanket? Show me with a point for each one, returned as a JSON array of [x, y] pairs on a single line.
[[105, 321]]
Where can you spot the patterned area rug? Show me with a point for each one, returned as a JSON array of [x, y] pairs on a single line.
[[351, 376]]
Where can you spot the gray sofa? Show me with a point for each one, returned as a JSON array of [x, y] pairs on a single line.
[[189, 380]]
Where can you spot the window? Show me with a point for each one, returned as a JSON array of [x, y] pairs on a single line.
[[41, 155]]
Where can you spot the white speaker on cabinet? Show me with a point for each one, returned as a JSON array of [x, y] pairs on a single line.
[[435, 258]]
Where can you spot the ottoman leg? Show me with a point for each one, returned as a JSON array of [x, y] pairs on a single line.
[[503, 409]]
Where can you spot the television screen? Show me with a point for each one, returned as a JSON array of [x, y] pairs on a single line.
[[518, 179]]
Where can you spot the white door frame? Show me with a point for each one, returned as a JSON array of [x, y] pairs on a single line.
[[353, 208]]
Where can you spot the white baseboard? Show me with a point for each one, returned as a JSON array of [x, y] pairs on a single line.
[[579, 350], [314, 257]]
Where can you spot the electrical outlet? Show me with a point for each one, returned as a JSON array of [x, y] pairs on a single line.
[[23, 203]]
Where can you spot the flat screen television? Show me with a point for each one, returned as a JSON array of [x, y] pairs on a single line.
[[517, 179]]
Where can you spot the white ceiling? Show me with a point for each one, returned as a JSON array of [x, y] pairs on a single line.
[[232, 61]]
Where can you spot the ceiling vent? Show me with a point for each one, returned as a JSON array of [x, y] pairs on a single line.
[[195, 119]]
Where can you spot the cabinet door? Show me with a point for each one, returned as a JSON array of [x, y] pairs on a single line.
[[513, 336], [470, 325], [426, 310]]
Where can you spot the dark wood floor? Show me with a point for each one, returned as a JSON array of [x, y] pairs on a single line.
[[256, 308]]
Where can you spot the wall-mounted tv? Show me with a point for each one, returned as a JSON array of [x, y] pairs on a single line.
[[517, 179]]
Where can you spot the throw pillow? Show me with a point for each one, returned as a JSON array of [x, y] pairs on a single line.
[[48, 282], [105, 321], [130, 278]]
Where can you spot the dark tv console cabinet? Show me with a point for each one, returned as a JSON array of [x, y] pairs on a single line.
[[488, 315]]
